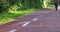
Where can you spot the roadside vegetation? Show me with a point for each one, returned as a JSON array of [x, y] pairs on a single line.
[[11, 9]]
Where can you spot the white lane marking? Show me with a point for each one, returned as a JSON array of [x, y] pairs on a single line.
[[13, 30], [40, 15], [35, 19], [47, 12], [26, 23]]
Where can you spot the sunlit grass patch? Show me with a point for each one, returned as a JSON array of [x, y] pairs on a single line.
[[5, 17]]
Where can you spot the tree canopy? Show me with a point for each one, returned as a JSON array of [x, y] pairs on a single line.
[[24, 4]]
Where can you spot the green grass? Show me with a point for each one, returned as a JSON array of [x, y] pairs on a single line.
[[5, 17]]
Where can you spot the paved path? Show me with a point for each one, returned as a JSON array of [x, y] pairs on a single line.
[[40, 21]]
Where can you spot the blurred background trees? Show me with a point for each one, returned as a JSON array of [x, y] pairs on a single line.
[[24, 4]]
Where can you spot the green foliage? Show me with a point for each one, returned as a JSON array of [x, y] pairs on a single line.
[[25, 4], [22, 4], [51, 2], [3, 5]]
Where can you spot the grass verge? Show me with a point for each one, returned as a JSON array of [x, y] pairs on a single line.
[[5, 17]]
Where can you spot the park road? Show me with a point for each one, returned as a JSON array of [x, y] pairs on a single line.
[[40, 21]]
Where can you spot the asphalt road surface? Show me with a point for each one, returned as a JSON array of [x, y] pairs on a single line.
[[40, 21]]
